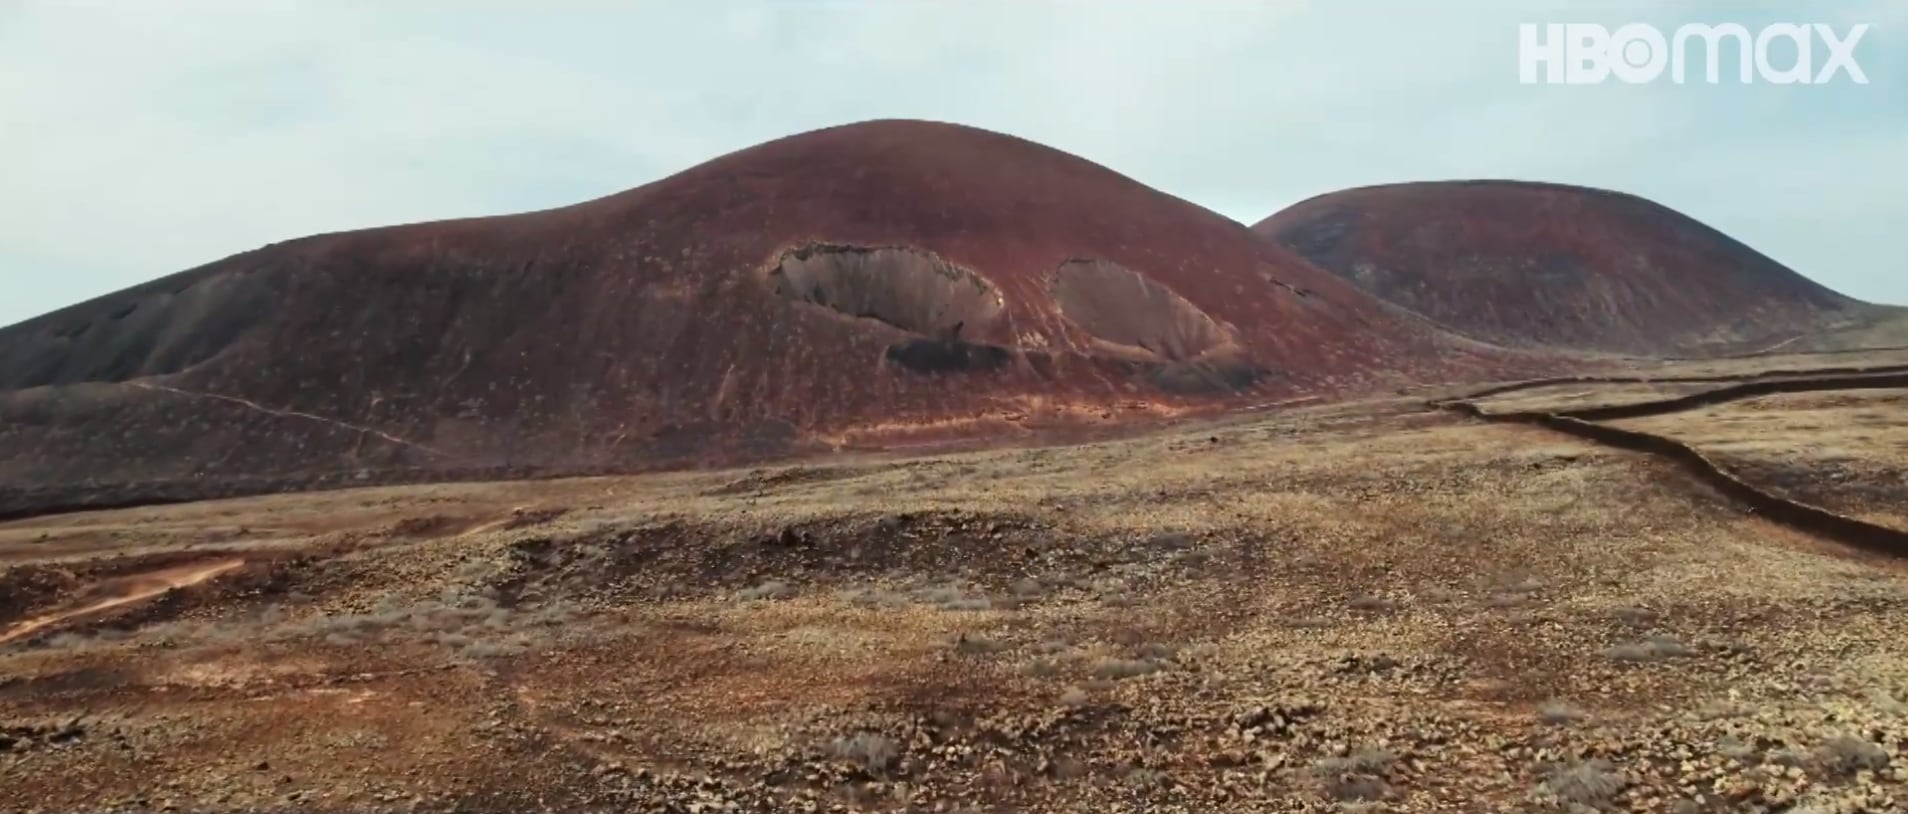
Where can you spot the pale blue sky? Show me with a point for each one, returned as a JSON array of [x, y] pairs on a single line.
[[138, 139]]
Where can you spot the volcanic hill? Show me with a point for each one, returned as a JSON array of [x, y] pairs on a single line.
[[1546, 265], [866, 285]]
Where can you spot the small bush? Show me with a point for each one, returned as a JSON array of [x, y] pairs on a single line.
[[953, 597], [1736, 749], [1361, 761], [1589, 783], [770, 590], [1502, 601], [1655, 648], [1154, 651], [873, 752], [1558, 713], [1148, 779], [1636, 616], [1355, 788], [1120, 669], [493, 649], [1786, 757], [967, 645], [870, 598], [1042, 668], [1358, 776], [1074, 697], [1527, 585], [1370, 603], [966, 603], [1848, 754], [65, 641], [451, 640], [1048, 647]]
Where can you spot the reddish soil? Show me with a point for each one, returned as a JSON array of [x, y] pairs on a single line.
[[870, 285], [1528, 264]]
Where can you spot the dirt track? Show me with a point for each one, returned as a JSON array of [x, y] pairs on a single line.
[[125, 591], [1581, 423]]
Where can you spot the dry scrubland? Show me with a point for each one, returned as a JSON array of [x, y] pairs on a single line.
[[1369, 607]]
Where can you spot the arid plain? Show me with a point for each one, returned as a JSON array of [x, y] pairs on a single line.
[[1385, 605]]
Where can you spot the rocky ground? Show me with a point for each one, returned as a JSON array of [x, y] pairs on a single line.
[[1372, 607]]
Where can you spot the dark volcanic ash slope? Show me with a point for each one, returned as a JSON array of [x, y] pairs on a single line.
[[1528, 264], [856, 285]]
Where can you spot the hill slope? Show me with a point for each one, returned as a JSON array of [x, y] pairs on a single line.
[[861, 285], [1528, 264]]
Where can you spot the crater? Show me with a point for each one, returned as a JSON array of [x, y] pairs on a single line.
[[947, 308], [1120, 306], [1184, 349], [908, 289]]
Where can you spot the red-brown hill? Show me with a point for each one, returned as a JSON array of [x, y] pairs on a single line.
[[1530, 264], [860, 285]]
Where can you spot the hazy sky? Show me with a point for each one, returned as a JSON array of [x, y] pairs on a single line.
[[141, 138]]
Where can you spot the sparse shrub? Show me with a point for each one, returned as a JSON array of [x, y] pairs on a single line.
[[967, 645], [1074, 697], [1049, 647], [491, 649], [1848, 754], [1361, 761], [1558, 713], [1193, 558], [1885, 701], [552, 615], [1526, 585], [871, 598], [1028, 589], [454, 641], [1148, 779], [1717, 709], [1155, 651], [1636, 616], [65, 641], [1370, 603], [1501, 601], [1589, 783], [1787, 757], [1357, 788], [1042, 668], [1067, 768], [966, 603], [770, 590], [1669, 646], [873, 752], [1171, 540], [1655, 648], [1358, 775], [1120, 669], [1736, 749], [953, 597]]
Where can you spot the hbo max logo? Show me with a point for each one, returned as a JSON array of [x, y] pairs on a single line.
[[1780, 54]]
